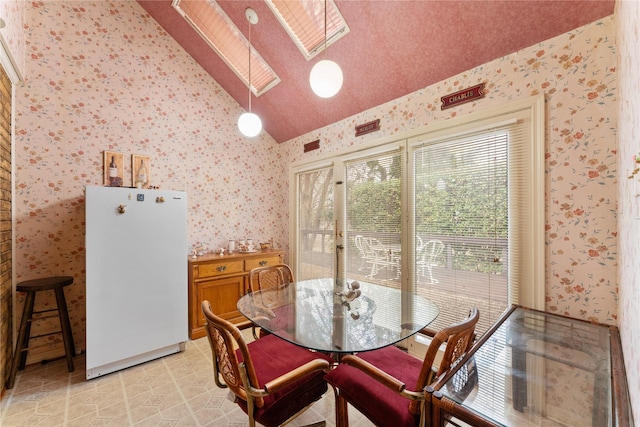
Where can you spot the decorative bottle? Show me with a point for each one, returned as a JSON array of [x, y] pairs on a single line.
[[141, 176], [113, 173]]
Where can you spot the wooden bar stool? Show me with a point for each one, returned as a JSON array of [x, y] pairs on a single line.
[[22, 346]]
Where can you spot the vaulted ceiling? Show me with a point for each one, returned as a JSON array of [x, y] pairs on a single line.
[[395, 47]]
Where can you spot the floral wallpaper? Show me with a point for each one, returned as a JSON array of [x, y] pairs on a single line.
[[628, 35], [104, 76], [577, 74]]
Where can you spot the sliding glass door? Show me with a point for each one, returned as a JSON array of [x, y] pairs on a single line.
[[460, 207], [454, 212], [349, 217], [373, 218], [315, 253]]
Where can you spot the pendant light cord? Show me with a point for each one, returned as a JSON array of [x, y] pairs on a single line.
[[249, 65], [326, 55]]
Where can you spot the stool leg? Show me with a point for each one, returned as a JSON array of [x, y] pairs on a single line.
[[25, 340], [65, 325], [23, 337]]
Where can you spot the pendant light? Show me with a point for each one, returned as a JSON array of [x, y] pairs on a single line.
[[326, 75], [249, 123]]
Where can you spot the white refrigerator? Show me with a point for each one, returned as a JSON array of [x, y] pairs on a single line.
[[136, 276]]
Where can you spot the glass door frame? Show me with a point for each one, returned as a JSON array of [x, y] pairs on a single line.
[[338, 162]]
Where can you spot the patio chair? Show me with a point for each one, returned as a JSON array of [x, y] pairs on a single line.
[[427, 258], [378, 256], [362, 253]]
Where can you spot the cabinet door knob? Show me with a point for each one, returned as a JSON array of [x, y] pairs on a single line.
[[263, 263], [222, 268]]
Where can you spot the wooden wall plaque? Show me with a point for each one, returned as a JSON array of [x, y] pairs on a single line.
[[368, 127], [462, 96], [313, 145]]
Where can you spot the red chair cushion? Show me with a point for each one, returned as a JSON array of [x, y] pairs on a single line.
[[382, 406], [273, 357]]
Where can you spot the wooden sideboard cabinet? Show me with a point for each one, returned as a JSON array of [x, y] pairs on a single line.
[[222, 280]]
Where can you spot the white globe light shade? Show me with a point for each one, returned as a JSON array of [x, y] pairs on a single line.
[[249, 124], [325, 78]]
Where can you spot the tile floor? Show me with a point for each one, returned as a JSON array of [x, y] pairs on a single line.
[[176, 390]]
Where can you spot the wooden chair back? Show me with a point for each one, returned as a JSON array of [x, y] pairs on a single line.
[[280, 383], [270, 276], [459, 338], [224, 338]]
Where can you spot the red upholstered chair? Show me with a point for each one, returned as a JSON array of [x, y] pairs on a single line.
[[273, 381], [387, 385]]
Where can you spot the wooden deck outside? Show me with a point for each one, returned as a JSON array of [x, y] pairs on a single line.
[[455, 293]]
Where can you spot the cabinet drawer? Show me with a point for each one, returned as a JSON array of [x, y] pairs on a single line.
[[218, 268], [261, 262]]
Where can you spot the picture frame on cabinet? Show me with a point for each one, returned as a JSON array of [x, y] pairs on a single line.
[[140, 171], [113, 169]]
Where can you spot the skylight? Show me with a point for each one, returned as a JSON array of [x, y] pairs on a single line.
[[217, 29], [304, 21]]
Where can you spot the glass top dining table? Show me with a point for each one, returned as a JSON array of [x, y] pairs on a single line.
[[324, 315]]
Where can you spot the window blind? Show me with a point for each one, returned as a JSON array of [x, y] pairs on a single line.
[[374, 212], [469, 204], [217, 29], [304, 21]]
